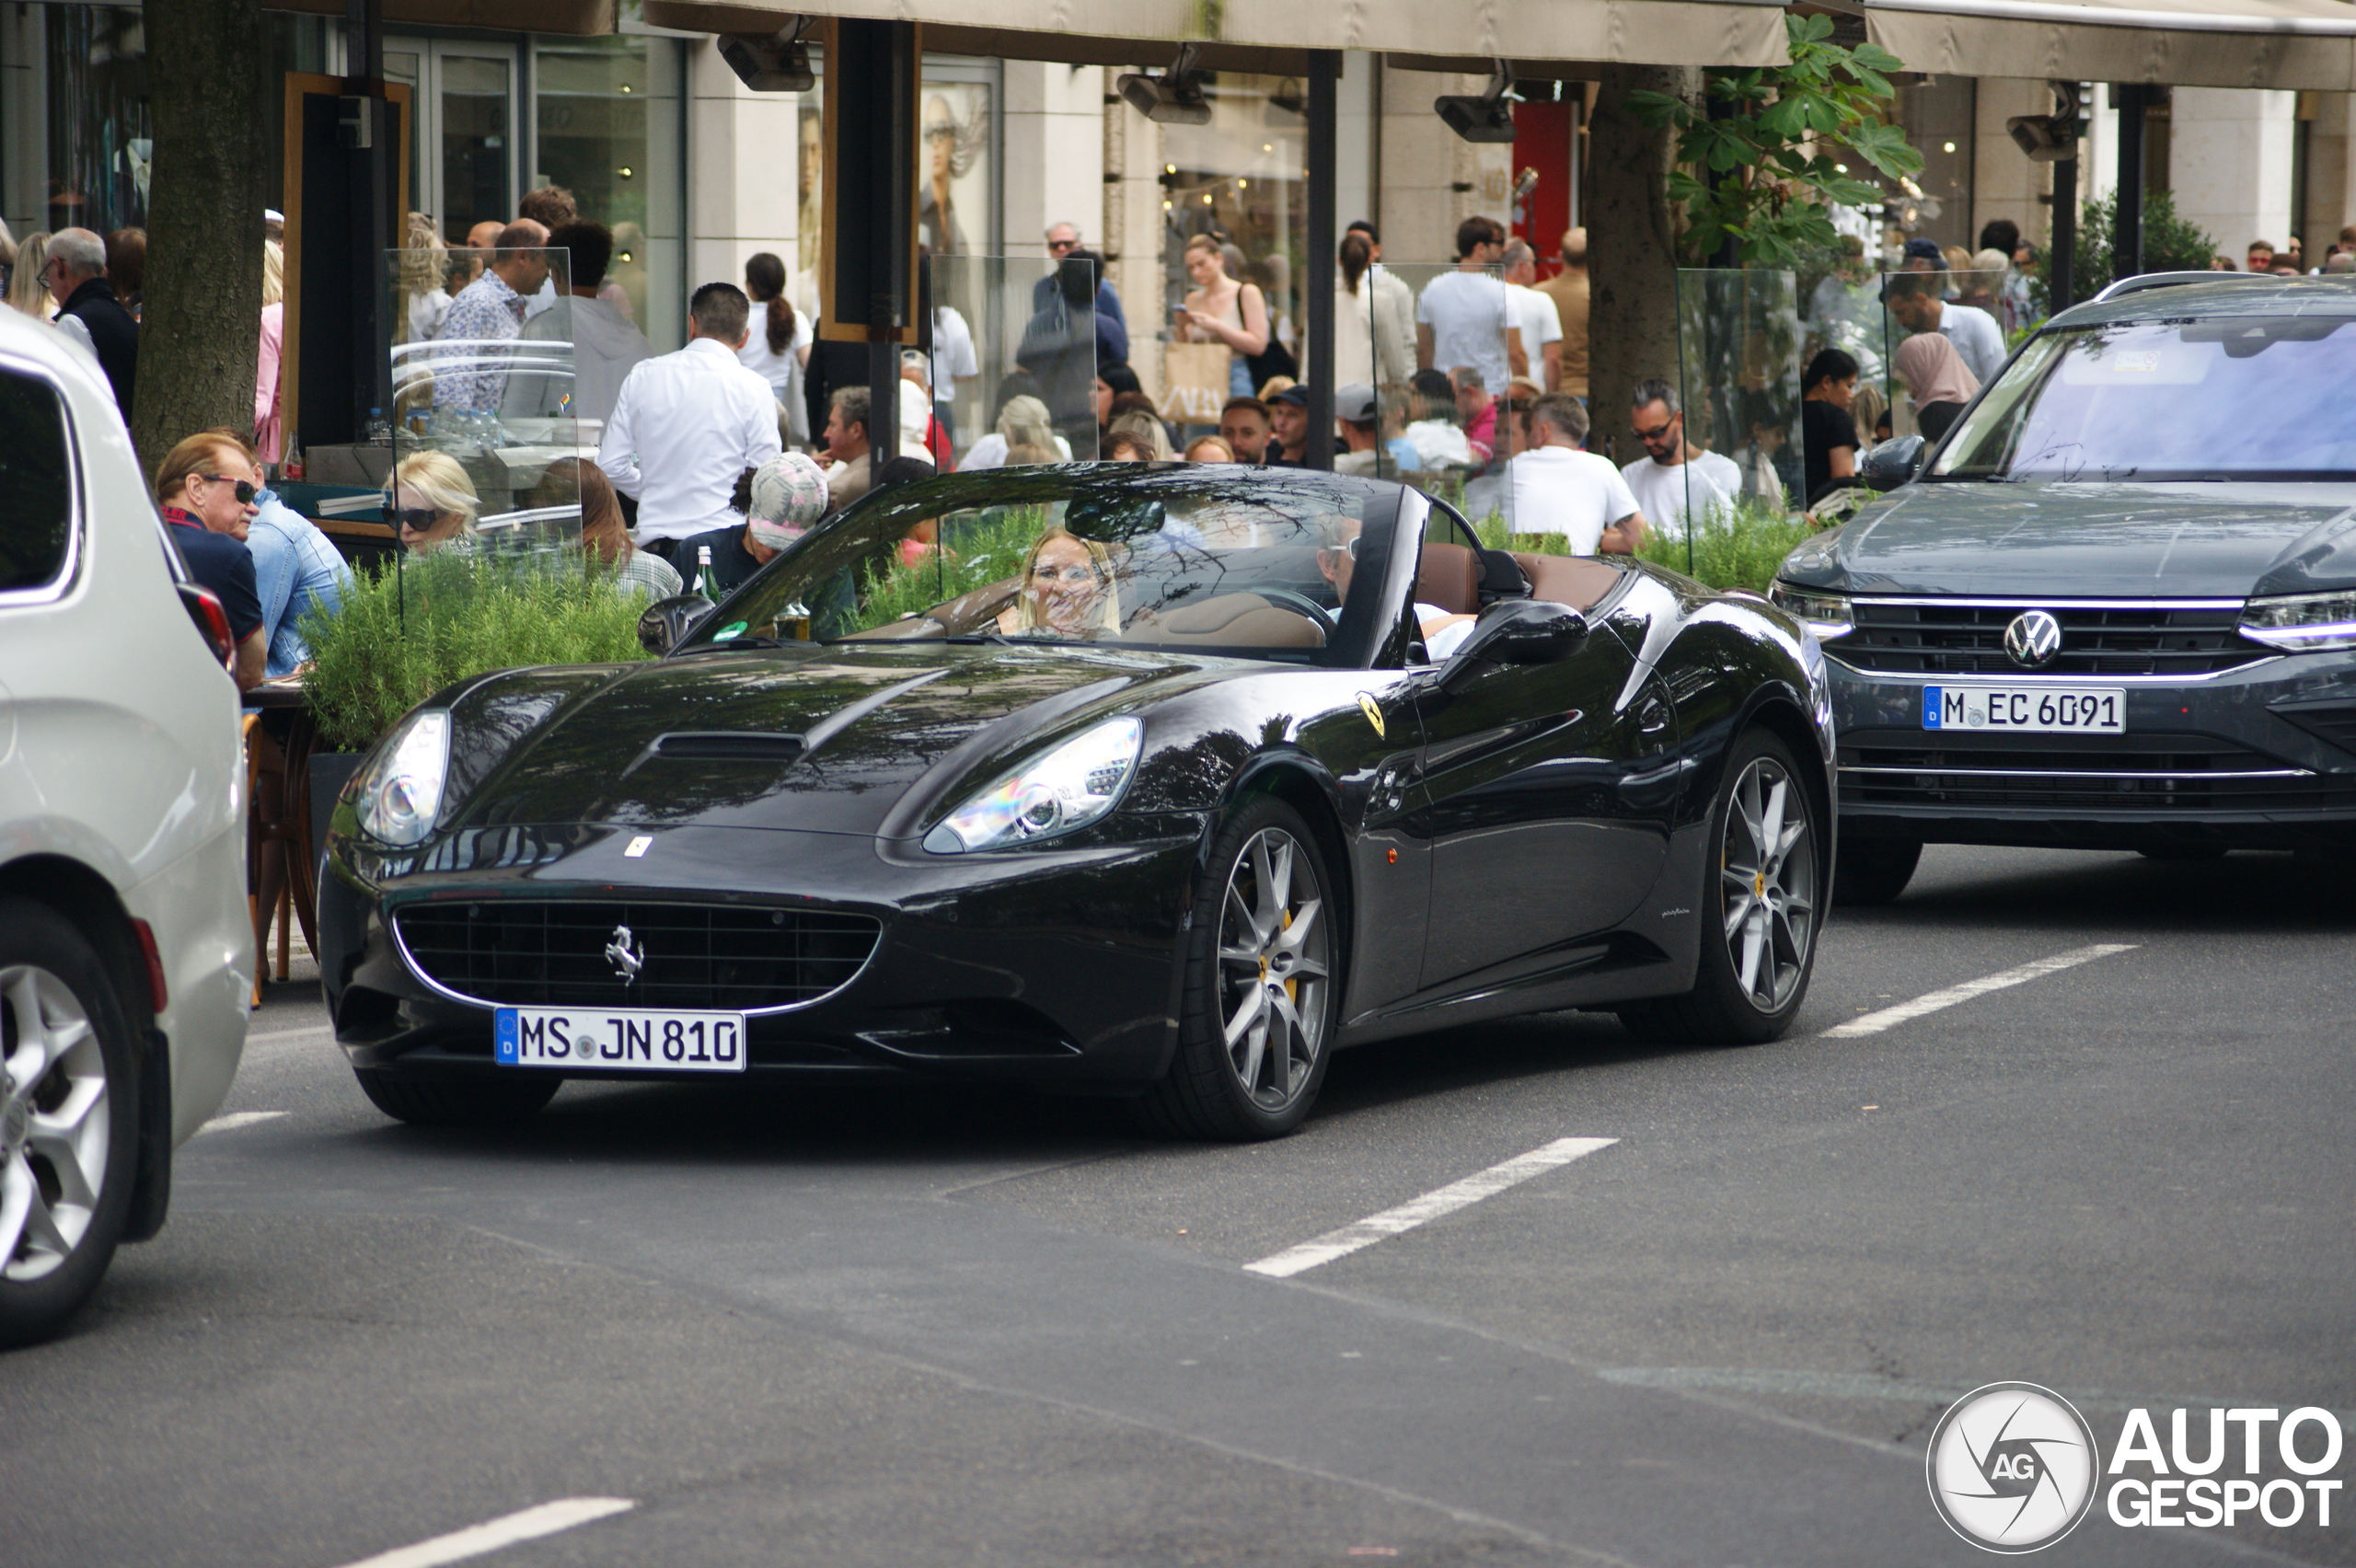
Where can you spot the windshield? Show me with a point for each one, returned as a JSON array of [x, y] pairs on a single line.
[[1201, 558], [2156, 401]]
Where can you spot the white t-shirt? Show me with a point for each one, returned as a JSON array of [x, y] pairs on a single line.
[[776, 369], [1978, 340], [953, 352], [1558, 489], [1541, 323], [989, 452], [1669, 493], [1469, 314]]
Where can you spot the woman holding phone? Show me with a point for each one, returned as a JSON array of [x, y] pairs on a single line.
[[1223, 310]]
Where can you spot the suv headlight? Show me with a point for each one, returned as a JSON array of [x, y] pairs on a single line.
[[1061, 790], [2303, 623], [400, 797], [1827, 615]]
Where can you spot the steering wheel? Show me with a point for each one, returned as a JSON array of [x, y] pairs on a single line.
[[1302, 604]]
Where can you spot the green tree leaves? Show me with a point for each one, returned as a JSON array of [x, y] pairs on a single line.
[[1777, 144]]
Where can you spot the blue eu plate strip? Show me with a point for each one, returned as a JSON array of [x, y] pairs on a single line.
[[503, 1036], [1931, 708]]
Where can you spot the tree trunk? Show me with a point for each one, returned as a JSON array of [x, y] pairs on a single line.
[[1631, 249], [199, 337]]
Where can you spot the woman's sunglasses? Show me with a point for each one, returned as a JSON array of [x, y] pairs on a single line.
[[245, 491], [416, 519]]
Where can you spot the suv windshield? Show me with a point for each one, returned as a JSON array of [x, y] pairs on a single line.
[[2153, 401], [1189, 557]]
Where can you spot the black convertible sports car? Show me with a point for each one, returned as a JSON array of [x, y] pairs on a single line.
[[1126, 778]]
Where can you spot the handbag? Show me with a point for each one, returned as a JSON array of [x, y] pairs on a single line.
[[1194, 382]]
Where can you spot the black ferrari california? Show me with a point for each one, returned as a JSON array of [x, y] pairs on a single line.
[[1149, 780]]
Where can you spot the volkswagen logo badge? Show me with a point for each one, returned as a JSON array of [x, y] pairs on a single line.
[[626, 953], [2033, 638]]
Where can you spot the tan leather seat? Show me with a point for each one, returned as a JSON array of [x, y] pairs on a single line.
[[1449, 577], [1575, 580], [1231, 620]]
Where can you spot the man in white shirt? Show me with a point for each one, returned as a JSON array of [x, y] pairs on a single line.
[[1914, 301], [1465, 317], [953, 363], [1558, 489], [1542, 325], [1676, 482], [688, 424], [605, 345]]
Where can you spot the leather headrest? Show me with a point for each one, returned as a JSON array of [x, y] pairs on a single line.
[[1449, 577]]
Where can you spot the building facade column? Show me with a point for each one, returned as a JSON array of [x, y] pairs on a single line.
[[2231, 164], [743, 161]]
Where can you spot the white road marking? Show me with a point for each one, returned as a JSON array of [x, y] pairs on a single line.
[[476, 1540], [1431, 1205], [290, 1034], [1875, 1023], [237, 1119]]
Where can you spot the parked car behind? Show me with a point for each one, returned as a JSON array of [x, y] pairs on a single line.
[[2111, 609], [126, 953]]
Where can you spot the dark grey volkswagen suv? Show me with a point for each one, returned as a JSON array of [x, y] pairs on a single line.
[[2116, 607]]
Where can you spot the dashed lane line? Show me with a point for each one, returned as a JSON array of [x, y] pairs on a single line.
[[237, 1119], [1933, 1001], [477, 1540], [1430, 1206]]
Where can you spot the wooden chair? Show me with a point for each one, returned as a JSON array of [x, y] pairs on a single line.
[[279, 876]]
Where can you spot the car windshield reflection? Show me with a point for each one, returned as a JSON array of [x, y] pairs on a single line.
[[1258, 566]]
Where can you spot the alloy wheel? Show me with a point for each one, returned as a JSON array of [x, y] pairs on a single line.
[[54, 1122], [1767, 867], [1274, 967]]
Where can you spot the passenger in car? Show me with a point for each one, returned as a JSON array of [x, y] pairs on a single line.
[[1067, 590], [1337, 558]]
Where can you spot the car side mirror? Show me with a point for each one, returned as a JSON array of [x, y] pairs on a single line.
[[666, 621], [1518, 631], [1892, 463]]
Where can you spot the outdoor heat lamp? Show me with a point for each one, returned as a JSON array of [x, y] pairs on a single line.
[[771, 63], [1482, 117], [1174, 98]]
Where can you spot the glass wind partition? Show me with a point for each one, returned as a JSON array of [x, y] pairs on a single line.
[[1738, 365], [1014, 354], [1446, 427], [483, 433], [1967, 308]]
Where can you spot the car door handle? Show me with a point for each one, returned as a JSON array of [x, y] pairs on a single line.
[[1655, 787]]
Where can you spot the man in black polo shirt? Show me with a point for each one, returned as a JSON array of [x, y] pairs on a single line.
[[209, 503], [87, 309]]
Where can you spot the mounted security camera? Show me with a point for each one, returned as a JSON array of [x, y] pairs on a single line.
[[771, 63], [1484, 117], [1175, 98], [2050, 138]]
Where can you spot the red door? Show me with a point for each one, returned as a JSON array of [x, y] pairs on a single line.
[[1542, 140]]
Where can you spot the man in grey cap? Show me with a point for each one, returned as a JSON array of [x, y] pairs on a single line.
[[1359, 426]]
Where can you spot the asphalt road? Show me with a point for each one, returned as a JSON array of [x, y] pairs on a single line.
[[959, 1327]]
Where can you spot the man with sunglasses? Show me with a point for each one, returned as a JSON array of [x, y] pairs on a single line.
[[1675, 482], [87, 310], [208, 502], [1063, 244]]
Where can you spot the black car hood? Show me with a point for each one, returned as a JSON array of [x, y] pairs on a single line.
[[710, 739], [2096, 541]]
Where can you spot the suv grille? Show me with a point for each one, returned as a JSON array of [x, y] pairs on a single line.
[[1969, 640], [519, 953], [2138, 775]]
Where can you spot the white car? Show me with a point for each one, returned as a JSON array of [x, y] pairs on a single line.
[[126, 951]]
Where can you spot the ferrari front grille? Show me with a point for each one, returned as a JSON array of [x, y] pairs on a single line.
[[557, 952], [1933, 638]]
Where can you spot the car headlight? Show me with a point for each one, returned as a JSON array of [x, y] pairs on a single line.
[[1067, 788], [2303, 623], [400, 797], [1827, 615]]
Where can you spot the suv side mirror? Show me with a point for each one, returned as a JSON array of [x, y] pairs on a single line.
[[666, 621], [1518, 631], [1892, 463]]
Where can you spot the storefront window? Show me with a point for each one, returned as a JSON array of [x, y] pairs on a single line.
[[1242, 180], [607, 130], [100, 139]]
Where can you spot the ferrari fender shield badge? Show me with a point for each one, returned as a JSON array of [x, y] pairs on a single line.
[[1373, 712]]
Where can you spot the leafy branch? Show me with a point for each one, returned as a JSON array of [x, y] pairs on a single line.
[[1762, 170]]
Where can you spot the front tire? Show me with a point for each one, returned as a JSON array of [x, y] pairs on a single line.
[[69, 1120], [1763, 902], [1256, 1015], [452, 1102]]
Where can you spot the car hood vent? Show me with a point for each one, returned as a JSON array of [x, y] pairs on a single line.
[[727, 746]]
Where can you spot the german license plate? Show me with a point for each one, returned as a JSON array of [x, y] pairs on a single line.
[[640, 1039], [2078, 710]]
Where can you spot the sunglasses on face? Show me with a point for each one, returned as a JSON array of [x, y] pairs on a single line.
[[1348, 547], [1658, 433], [1073, 575], [245, 491], [1058, 246], [416, 519]]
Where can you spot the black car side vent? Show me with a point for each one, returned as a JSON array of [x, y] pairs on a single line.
[[727, 746], [2333, 721]]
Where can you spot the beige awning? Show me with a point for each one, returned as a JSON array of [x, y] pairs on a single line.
[[2307, 44], [1461, 34], [580, 18]]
